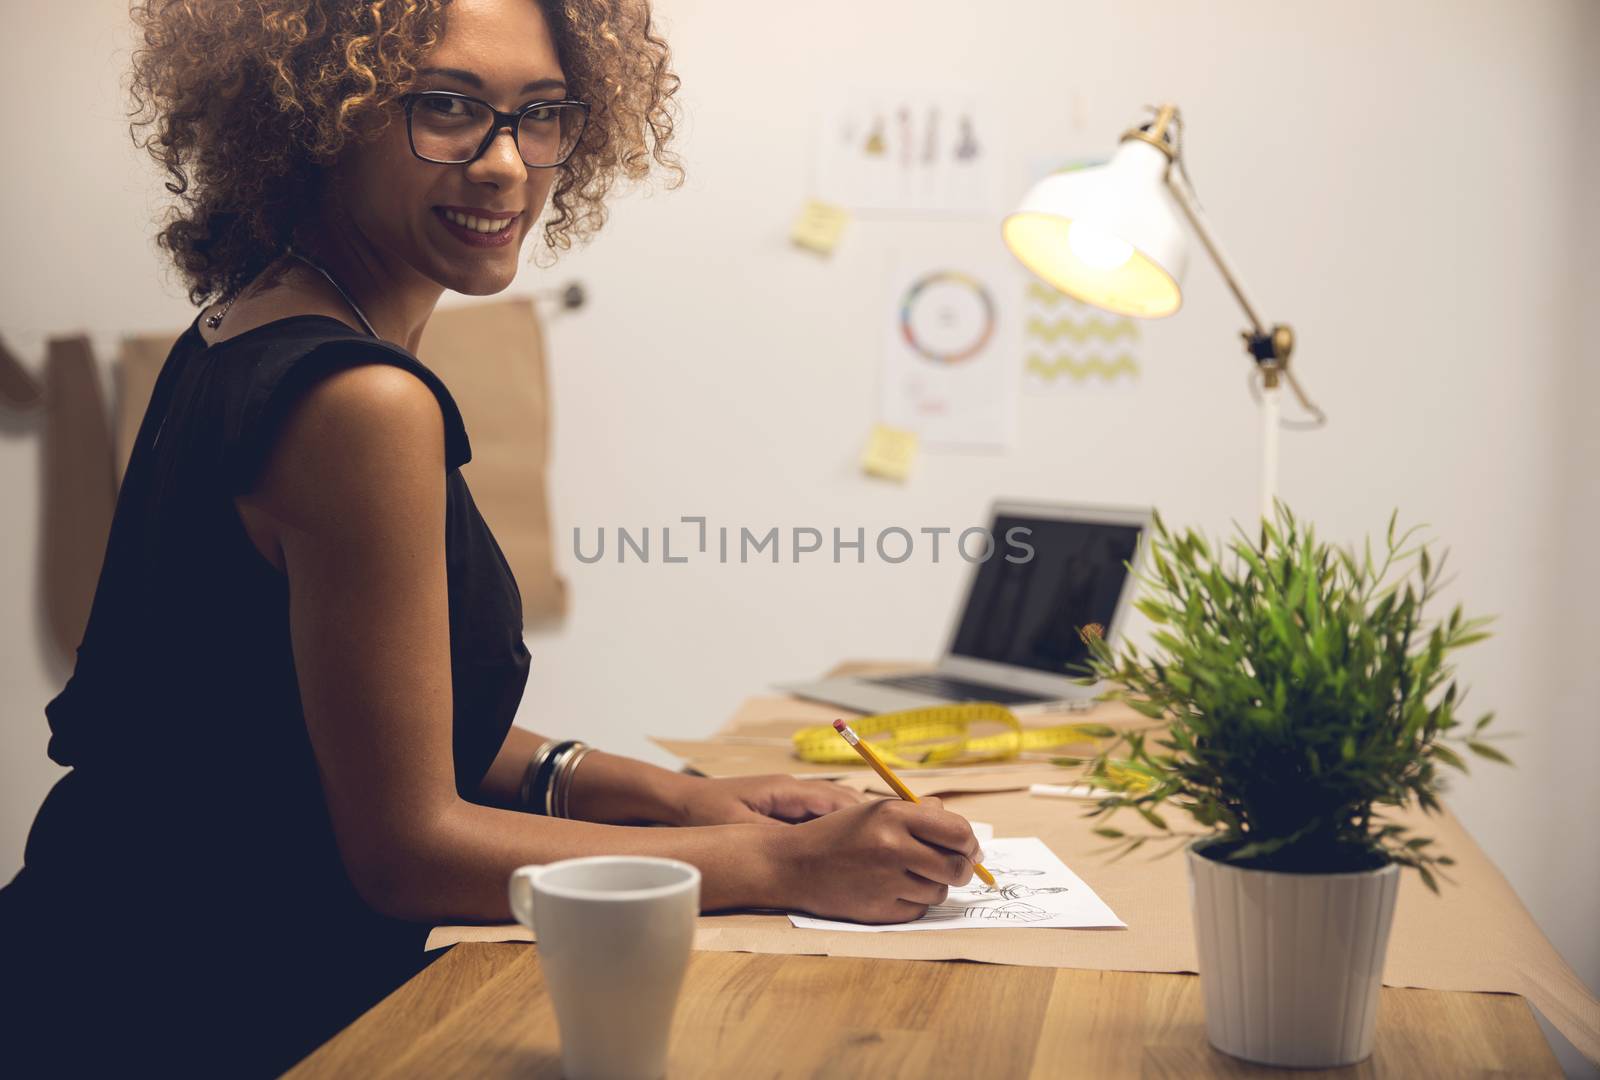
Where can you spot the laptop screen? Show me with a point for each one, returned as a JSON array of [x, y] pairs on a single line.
[[1028, 613]]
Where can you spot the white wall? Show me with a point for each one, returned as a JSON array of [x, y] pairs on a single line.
[[1400, 181]]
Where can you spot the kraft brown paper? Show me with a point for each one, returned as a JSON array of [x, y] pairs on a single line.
[[491, 357], [79, 489], [19, 390], [1475, 936], [139, 362]]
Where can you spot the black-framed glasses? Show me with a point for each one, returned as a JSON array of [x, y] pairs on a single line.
[[448, 128]]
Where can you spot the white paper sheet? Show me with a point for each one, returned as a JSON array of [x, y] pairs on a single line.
[[909, 151], [1034, 888]]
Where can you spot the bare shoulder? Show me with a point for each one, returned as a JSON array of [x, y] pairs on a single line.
[[359, 461]]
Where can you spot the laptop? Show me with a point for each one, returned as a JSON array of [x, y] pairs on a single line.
[[1016, 639]]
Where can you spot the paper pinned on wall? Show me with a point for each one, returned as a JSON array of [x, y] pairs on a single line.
[[908, 152], [889, 453], [950, 370], [1033, 889], [1068, 345], [819, 226]]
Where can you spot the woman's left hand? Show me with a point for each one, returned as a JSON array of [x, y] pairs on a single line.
[[773, 799]]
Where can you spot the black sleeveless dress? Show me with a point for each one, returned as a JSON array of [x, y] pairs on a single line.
[[182, 903]]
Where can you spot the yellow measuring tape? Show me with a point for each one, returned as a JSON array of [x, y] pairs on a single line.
[[940, 735]]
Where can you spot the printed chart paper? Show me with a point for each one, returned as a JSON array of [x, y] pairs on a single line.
[[949, 365], [1033, 888], [1071, 347], [908, 152]]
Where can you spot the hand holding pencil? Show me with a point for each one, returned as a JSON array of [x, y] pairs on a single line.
[[880, 861], [895, 783]]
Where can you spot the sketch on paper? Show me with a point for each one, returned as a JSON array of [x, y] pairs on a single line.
[[903, 151], [1016, 890], [1049, 895], [967, 142], [1013, 871], [1015, 912]]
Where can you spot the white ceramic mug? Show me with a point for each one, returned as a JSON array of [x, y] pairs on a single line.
[[614, 934]]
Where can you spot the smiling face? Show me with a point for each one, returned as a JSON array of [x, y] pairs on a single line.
[[401, 206]]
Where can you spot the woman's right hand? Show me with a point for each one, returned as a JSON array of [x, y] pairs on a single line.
[[880, 862]]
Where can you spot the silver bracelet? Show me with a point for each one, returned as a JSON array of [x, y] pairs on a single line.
[[530, 774], [557, 767], [563, 806]]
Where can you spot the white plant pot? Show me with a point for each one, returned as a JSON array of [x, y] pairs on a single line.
[[1291, 964]]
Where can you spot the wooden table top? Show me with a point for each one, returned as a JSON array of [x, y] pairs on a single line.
[[482, 1011]]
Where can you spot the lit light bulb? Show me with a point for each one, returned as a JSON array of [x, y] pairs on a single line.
[[1097, 248]]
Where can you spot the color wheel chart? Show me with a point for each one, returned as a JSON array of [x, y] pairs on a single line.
[[947, 317], [950, 369]]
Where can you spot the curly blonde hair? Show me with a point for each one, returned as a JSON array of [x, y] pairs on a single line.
[[250, 100]]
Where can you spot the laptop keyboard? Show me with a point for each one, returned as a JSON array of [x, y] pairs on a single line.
[[944, 686]]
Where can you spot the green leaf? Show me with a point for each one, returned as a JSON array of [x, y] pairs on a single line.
[[1483, 749], [1152, 817]]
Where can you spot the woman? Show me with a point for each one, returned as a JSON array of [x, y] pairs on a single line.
[[289, 726]]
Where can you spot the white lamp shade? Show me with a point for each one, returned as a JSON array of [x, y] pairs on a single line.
[[1109, 235]]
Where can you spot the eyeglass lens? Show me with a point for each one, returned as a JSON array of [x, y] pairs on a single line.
[[450, 130]]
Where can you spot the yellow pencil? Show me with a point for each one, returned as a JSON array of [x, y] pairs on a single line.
[[895, 785]]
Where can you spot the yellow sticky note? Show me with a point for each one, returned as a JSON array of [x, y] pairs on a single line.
[[889, 452], [819, 226]]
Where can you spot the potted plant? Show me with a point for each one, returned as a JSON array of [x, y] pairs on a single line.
[[1301, 694]]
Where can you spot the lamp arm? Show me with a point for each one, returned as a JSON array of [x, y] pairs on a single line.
[[1270, 346], [1202, 227]]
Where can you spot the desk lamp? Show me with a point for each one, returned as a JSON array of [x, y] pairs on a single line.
[[1109, 236]]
